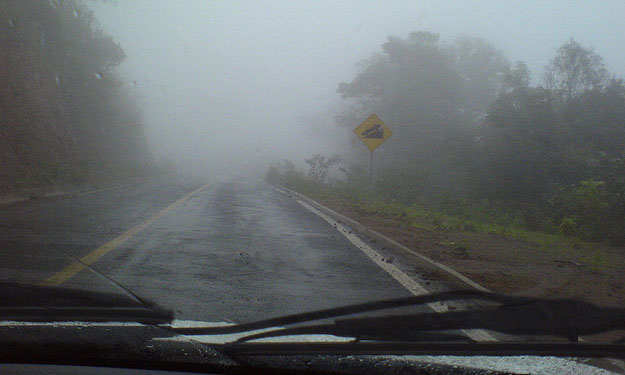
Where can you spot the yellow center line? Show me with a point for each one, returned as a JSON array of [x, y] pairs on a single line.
[[71, 270]]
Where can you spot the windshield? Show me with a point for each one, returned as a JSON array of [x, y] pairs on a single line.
[[231, 162]]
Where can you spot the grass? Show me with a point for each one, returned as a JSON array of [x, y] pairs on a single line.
[[471, 221]]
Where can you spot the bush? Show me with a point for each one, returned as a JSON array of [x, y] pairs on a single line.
[[273, 176], [320, 167], [586, 205], [568, 227], [589, 210], [469, 226]]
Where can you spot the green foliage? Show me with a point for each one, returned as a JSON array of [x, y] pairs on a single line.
[[472, 218], [477, 148], [518, 77], [434, 95], [469, 226], [568, 227], [65, 116], [520, 153], [320, 167], [584, 209], [575, 70]]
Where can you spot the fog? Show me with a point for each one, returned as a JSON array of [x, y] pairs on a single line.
[[232, 86]]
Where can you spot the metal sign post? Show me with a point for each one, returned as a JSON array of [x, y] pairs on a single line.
[[372, 132], [370, 170]]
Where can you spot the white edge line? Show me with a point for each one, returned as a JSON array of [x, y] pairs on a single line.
[[405, 280]]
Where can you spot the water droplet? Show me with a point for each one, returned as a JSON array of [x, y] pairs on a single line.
[[54, 3], [57, 79], [97, 75], [76, 14], [10, 22]]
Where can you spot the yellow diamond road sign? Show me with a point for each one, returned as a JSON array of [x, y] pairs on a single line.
[[373, 132]]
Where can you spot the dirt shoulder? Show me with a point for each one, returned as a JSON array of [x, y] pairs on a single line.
[[588, 272], [509, 265]]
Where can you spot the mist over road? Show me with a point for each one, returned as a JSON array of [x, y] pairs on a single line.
[[226, 251]]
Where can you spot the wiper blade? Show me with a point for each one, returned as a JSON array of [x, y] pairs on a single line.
[[351, 310], [32, 303], [560, 318], [432, 333], [512, 315]]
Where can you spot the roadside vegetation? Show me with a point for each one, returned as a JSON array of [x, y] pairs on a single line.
[[451, 223], [489, 243], [477, 147], [65, 114]]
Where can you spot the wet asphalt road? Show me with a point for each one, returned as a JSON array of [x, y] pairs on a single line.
[[236, 251]]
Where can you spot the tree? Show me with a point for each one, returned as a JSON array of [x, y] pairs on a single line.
[[434, 96], [596, 120], [482, 68], [320, 167], [520, 148], [573, 70], [426, 89], [468, 124], [583, 210], [518, 77], [64, 112]]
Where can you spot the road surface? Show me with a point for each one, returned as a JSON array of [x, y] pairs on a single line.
[[233, 251], [226, 251]]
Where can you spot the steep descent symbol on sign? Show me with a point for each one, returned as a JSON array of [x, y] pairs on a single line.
[[372, 132], [375, 131]]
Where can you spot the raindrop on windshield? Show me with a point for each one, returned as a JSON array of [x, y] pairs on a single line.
[[57, 79], [97, 75], [76, 14]]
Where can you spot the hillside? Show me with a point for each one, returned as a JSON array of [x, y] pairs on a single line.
[[65, 115]]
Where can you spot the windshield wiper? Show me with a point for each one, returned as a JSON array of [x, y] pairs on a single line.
[[560, 318], [349, 310], [432, 332], [513, 315]]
